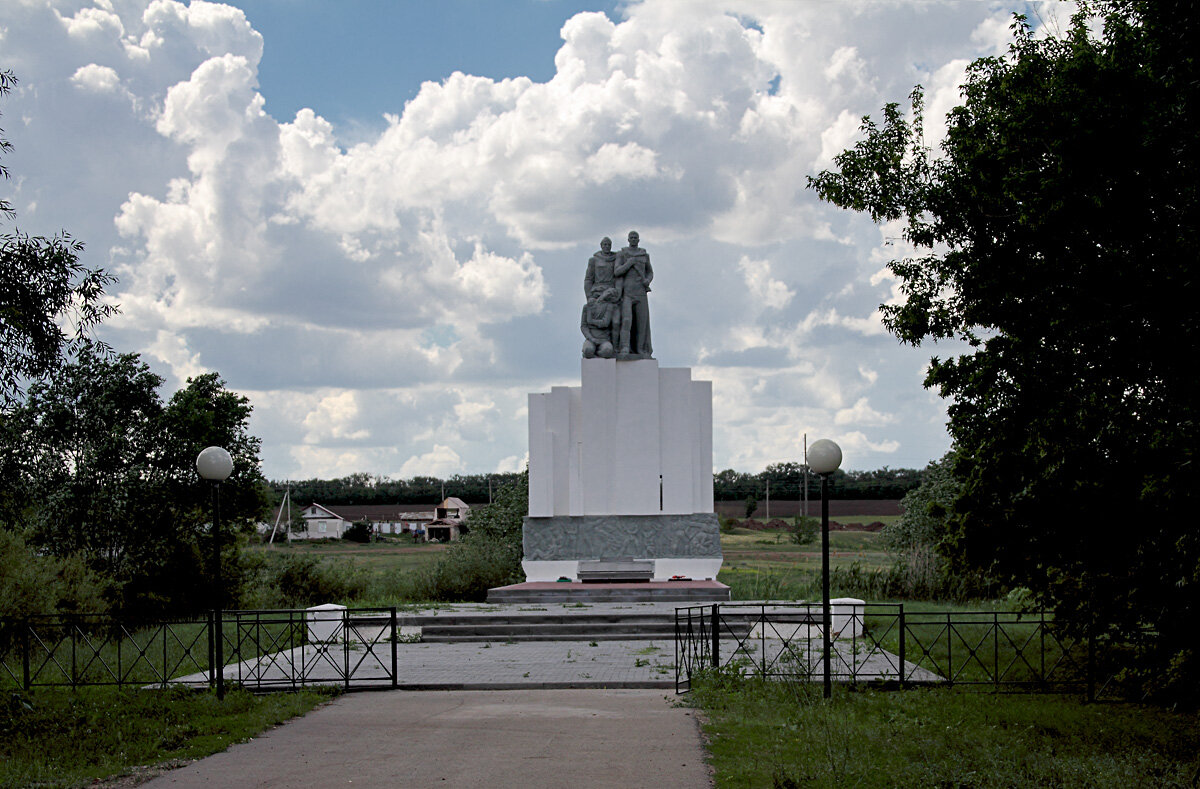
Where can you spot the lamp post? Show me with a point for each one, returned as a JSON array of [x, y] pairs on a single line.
[[215, 465], [824, 457]]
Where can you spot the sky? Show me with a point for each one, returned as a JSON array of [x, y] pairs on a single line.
[[373, 218]]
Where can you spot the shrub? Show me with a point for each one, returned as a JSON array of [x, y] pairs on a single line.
[[751, 505], [467, 569], [488, 556], [297, 580], [358, 532], [805, 530], [31, 584]]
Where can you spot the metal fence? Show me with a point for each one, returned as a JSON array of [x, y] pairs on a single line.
[[259, 650], [885, 643]]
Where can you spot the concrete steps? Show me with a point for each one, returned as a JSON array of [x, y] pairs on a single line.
[[683, 592], [549, 626]]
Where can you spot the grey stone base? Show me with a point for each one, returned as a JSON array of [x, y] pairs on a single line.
[[610, 538]]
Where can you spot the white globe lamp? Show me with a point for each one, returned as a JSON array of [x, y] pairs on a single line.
[[214, 464], [824, 456]]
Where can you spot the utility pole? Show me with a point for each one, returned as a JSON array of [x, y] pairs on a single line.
[[804, 494], [768, 498]]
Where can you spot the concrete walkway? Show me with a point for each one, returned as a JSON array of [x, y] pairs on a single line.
[[524, 739]]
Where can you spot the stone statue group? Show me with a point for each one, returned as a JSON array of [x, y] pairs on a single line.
[[616, 319]]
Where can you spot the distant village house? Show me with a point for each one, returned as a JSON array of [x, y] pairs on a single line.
[[443, 523]]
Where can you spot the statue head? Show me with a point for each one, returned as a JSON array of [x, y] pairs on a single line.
[[633, 238], [597, 292], [606, 244]]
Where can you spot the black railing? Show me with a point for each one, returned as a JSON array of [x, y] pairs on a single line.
[[260, 650], [884, 643]]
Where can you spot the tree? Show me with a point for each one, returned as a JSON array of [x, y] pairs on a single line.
[[489, 555], [916, 538], [1056, 235], [107, 472], [49, 301], [751, 504]]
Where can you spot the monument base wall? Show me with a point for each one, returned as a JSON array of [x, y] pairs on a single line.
[[678, 545]]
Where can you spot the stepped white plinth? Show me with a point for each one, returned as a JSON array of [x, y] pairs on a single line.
[[620, 469]]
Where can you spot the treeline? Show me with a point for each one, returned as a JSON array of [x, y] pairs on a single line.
[[363, 488], [786, 481]]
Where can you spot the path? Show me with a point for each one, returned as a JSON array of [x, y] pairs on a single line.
[[524, 739]]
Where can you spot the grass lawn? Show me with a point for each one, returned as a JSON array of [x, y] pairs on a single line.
[[386, 556], [758, 564], [53, 737], [764, 565], [389, 566], [784, 735]]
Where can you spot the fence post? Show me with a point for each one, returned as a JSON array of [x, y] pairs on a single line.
[[212, 652], [1091, 663], [74, 625], [165, 670], [219, 640], [395, 642], [996, 650], [346, 647], [1042, 643], [902, 646], [25, 632], [949, 650], [716, 635]]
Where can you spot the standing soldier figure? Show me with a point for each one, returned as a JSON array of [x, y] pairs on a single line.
[[635, 273]]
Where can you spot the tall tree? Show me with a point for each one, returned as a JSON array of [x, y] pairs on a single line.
[[1056, 232], [107, 472]]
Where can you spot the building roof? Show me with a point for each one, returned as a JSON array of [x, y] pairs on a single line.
[[372, 512]]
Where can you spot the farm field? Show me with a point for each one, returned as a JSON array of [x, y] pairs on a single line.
[[759, 564], [385, 556], [854, 510]]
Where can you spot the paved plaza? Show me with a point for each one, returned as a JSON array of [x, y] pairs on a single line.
[[526, 739], [510, 665]]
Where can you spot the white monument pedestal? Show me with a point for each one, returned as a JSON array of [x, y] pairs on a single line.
[[620, 471]]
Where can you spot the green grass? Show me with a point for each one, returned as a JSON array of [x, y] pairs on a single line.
[[783, 735], [766, 565], [63, 738], [389, 568]]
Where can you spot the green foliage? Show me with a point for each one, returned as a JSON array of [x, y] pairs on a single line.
[[1056, 236], [916, 538], [788, 482], [98, 467], [783, 734], [805, 530], [33, 584], [363, 488], [751, 505], [489, 555], [299, 581], [358, 532], [65, 738]]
